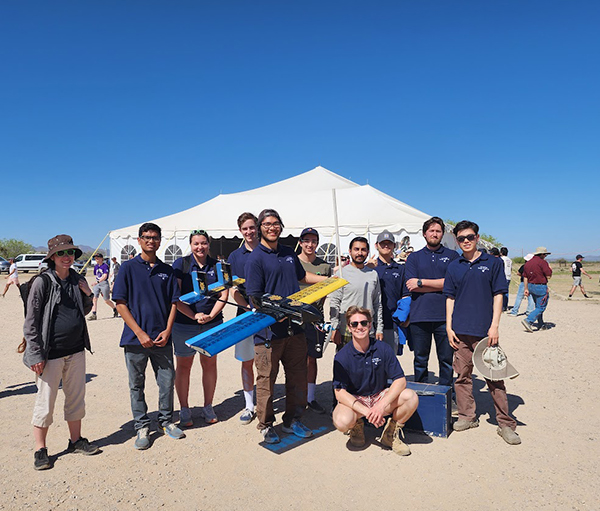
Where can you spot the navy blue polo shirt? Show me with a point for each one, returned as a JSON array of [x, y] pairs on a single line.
[[275, 272], [473, 286], [365, 374], [393, 288], [238, 259], [148, 292], [428, 264], [205, 305]]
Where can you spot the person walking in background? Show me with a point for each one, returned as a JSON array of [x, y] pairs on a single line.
[[508, 273], [577, 270], [114, 271], [521, 293], [536, 273], [191, 321], [101, 287], [54, 344], [12, 277]]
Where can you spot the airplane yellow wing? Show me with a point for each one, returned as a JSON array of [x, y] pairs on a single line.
[[220, 288], [317, 291]]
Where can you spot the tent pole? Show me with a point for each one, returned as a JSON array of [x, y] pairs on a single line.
[[88, 261], [337, 230]]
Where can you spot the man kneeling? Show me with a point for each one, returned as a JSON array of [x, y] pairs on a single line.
[[361, 372]]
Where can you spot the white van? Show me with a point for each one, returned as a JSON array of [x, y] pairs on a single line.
[[27, 262]]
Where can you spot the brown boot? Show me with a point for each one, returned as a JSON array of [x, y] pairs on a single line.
[[391, 438], [357, 434]]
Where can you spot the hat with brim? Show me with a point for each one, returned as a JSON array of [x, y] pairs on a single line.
[[541, 251], [61, 242], [491, 362]]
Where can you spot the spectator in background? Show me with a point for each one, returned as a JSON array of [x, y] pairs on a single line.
[[536, 273], [101, 287], [508, 273], [12, 277], [114, 271], [520, 293], [577, 270]]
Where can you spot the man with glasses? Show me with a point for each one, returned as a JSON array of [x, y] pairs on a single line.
[[309, 241], [101, 286], [147, 293], [362, 372], [275, 269], [474, 287], [425, 271]]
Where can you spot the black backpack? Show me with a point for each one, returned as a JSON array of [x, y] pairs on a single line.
[[26, 288]]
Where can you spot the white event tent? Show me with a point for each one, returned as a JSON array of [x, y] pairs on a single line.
[[305, 200]]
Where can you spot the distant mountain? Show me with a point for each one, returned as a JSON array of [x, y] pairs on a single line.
[[44, 249], [591, 259]]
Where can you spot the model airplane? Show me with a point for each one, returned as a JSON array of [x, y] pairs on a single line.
[[272, 308]]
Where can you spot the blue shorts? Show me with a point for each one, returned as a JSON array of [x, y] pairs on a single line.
[[182, 332]]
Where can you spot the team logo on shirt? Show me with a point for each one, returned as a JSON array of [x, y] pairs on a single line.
[[444, 259], [396, 275], [376, 361], [483, 269], [163, 276], [289, 259]]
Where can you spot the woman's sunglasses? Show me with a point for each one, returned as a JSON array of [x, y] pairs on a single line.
[[199, 232], [69, 252]]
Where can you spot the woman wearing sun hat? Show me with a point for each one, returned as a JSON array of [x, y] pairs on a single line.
[[56, 337]]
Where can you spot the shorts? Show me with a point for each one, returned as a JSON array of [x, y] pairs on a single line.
[[391, 338], [102, 287], [13, 280], [244, 350], [373, 399], [577, 281], [315, 340], [182, 332]]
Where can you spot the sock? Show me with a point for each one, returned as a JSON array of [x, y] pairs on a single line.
[[310, 396], [249, 397]]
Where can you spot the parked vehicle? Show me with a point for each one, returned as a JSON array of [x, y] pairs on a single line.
[[4, 265], [29, 262], [77, 266]]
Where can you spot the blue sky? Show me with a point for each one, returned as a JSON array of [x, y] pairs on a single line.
[[116, 112]]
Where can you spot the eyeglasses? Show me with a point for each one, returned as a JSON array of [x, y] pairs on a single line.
[[364, 322], [150, 238], [199, 232], [470, 237], [309, 242], [269, 225], [69, 252]]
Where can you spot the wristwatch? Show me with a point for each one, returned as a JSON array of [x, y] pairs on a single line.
[[419, 283]]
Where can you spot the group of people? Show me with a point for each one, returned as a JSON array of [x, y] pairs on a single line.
[[437, 296]]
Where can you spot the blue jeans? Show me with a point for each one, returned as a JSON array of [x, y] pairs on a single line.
[[519, 299], [421, 333], [136, 359], [540, 297]]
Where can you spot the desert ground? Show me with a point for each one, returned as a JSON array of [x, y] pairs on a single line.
[[223, 466]]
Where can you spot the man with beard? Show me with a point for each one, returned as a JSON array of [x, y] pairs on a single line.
[[425, 271], [362, 290]]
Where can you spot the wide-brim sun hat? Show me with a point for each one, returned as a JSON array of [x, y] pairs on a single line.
[[541, 251], [491, 362], [61, 242]]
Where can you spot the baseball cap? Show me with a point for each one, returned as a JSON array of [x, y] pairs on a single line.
[[309, 230], [386, 236]]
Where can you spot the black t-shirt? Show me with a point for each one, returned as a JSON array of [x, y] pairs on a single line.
[[520, 271], [576, 268], [66, 335]]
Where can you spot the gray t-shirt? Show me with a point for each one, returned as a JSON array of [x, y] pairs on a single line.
[[362, 290]]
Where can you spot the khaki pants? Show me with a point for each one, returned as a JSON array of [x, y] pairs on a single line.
[[463, 386], [291, 352], [71, 370]]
